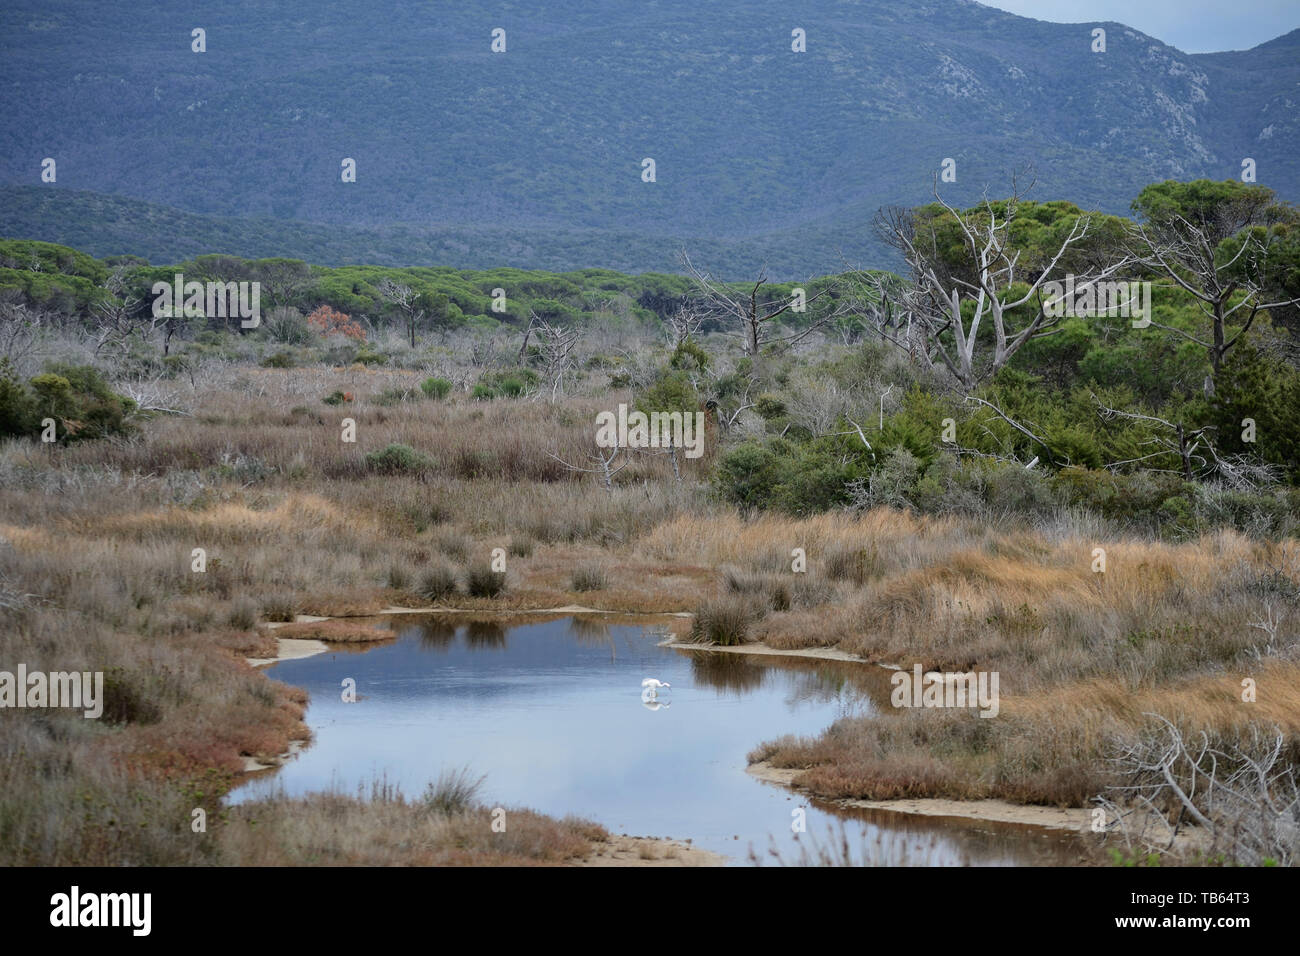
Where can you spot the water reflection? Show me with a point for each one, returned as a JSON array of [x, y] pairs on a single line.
[[591, 629], [485, 634], [436, 634], [731, 673]]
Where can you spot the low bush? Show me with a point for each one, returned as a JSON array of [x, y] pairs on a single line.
[[397, 459], [724, 621], [438, 388], [589, 578], [482, 581], [453, 792], [280, 359], [76, 397], [437, 583]]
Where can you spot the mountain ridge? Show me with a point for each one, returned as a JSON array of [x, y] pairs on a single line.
[[750, 139]]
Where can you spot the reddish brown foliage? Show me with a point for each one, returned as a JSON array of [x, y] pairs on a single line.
[[329, 322]]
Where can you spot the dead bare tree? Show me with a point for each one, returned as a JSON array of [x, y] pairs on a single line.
[[684, 323], [154, 394], [818, 402], [528, 333], [752, 318], [601, 464], [22, 329], [555, 347], [1242, 795], [876, 305], [406, 302], [121, 318], [671, 450], [1270, 622], [990, 285]]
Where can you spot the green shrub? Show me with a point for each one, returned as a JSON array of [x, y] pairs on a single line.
[[672, 392], [1266, 390], [397, 459], [1176, 515], [438, 388], [17, 407], [512, 386], [749, 475], [280, 359], [1014, 488], [1265, 512], [510, 383], [797, 477], [76, 397], [689, 356], [769, 407], [1131, 498], [395, 396], [892, 484]]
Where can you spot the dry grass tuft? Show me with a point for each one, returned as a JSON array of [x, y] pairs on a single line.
[[336, 631], [724, 621]]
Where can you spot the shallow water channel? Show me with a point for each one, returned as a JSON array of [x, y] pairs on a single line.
[[551, 711]]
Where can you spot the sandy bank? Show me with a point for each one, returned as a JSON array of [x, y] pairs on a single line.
[[1078, 819], [649, 851], [257, 764], [290, 649]]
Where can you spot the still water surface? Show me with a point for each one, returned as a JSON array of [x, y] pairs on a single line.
[[552, 713]]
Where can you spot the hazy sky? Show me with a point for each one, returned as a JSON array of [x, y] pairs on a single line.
[[1194, 26]]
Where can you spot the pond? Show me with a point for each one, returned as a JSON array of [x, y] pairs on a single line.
[[550, 712]]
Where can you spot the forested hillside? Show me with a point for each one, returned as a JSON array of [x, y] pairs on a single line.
[[533, 157]]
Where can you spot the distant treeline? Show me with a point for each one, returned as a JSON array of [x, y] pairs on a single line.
[[63, 280]]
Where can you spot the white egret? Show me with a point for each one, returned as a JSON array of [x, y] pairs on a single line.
[[650, 688]]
